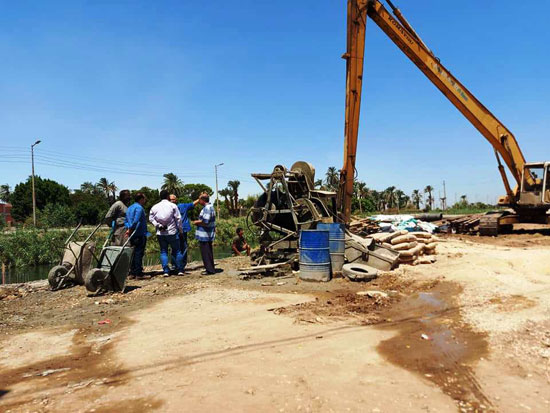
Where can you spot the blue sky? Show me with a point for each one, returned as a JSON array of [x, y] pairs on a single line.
[[118, 87]]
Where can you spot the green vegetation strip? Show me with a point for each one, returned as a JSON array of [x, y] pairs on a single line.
[[37, 247]]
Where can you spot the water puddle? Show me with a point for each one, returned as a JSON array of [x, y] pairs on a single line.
[[434, 342]]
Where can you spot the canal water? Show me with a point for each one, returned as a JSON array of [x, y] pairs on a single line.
[[40, 272]]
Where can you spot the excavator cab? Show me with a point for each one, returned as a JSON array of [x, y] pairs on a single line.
[[535, 184]]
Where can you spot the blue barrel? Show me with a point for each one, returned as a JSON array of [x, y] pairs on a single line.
[[337, 245], [314, 255]]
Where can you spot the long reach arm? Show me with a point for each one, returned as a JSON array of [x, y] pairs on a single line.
[[403, 35]]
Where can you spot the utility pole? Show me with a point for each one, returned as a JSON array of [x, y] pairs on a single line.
[[444, 199], [217, 197], [33, 193]]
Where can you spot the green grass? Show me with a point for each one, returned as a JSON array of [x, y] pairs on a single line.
[[37, 247]]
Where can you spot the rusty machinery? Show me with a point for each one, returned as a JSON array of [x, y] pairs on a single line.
[[288, 204]]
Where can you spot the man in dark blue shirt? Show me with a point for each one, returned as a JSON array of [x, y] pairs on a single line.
[[136, 224], [184, 208]]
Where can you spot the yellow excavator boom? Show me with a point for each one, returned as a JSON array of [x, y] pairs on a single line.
[[409, 42]]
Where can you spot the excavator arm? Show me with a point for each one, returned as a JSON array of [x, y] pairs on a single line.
[[396, 27]]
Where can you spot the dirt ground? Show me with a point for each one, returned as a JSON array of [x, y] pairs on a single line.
[[470, 332]]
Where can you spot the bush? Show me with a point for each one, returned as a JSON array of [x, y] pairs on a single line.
[[57, 216], [367, 206], [32, 247]]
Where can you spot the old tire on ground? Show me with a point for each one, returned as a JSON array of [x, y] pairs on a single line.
[[359, 272], [56, 277], [93, 279]]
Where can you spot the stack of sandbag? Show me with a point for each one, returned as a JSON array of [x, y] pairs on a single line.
[[429, 241], [411, 245]]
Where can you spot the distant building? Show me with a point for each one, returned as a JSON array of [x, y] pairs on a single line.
[[5, 211]]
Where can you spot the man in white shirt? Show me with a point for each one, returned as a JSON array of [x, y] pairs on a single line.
[[166, 218]]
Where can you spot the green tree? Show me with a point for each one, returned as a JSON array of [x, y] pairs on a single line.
[[89, 188], [416, 198], [172, 184], [389, 195], [234, 188], [47, 192], [429, 202], [104, 185], [226, 193], [5, 193], [112, 189], [152, 196], [249, 201], [90, 207], [360, 189], [191, 192], [401, 199], [332, 178], [57, 216]]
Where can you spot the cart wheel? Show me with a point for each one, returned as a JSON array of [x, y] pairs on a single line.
[[93, 279], [56, 276]]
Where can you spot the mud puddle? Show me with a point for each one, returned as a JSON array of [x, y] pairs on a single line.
[[434, 342]]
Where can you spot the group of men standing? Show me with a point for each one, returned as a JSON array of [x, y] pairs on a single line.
[[172, 224]]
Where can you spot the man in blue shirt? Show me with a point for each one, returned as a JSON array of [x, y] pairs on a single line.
[[136, 224], [185, 226], [206, 232]]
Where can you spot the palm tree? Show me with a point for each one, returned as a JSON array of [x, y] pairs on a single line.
[[318, 184], [234, 187], [104, 185], [87, 187], [428, 190], [5, 192], [172, 184], [113, 188], [378, 199], [401, 199], [360, 189], [416, 198], [331, 178], [226, 193], [389, 194]]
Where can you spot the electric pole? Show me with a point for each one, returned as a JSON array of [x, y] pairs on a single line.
[[33, 193], [217, 197]]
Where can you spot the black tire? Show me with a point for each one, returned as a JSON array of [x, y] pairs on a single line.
[[57, 277], [359, 272], [94, 279]]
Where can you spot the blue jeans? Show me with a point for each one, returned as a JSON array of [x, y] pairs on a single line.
[[183, 249], [174, 243], [139, 243]]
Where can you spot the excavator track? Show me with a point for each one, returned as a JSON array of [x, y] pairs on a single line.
[[489, 225]]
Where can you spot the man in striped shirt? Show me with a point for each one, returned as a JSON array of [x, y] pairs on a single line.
[[206, 232]]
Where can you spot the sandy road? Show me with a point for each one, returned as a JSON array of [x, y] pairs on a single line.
[[221, 344]]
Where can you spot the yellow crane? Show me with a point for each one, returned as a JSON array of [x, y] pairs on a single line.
[[529, 199]]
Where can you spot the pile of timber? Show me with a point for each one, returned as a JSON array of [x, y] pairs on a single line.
[[413, 247], [468, 224], [363, 226]]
